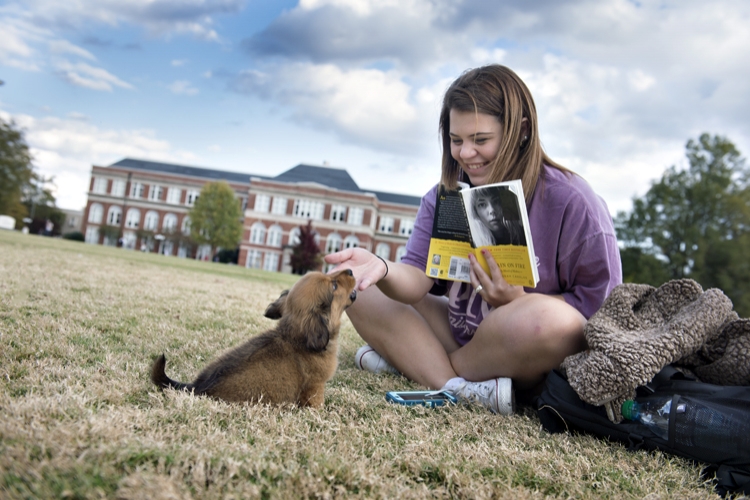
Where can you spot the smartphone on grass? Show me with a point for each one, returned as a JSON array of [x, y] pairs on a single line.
[[430, 399]]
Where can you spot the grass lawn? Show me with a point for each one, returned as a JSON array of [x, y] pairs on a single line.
[[79, 418]]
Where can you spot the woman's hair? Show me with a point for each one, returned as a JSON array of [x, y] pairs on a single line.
[[481, 234], [497, 91]]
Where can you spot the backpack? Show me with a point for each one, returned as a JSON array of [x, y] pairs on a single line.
[[703, 408]]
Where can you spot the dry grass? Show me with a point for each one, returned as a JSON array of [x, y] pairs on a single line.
[[80, 324]]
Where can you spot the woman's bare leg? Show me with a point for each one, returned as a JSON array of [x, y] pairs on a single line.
[[522, 340], [414, 339]]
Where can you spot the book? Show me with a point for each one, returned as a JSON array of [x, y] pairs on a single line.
[[470, 219]]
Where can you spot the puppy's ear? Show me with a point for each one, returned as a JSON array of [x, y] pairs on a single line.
[[318, 333], [276, 309]]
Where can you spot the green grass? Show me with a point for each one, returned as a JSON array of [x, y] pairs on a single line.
[[80, 324]]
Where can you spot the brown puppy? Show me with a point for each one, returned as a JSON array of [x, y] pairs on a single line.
[[292, 362]]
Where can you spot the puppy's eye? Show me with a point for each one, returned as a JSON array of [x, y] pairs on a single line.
[[335, 285]]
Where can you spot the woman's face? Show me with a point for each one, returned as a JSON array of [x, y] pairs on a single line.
[[475, 141], [489, 210]]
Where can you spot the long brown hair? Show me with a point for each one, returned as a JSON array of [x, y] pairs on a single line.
[[497, 91]]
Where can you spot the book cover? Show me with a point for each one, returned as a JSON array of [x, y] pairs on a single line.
[[492, 217]]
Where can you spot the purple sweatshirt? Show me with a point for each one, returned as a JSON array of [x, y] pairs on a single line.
[[574, 241]]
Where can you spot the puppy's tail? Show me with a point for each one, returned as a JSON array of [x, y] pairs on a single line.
[[159, 377]]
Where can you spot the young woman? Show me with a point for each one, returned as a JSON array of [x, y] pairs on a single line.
[[477, 340], [490, 223]]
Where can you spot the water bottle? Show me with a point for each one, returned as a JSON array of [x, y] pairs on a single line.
[[696, 425], [654, 414]]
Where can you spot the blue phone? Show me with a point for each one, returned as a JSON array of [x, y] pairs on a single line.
[[430, 399]]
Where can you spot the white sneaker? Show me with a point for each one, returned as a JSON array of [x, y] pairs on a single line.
[[496, 394], [369, 360]]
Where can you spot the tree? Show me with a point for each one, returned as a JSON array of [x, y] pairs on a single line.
[[306, 254], [696, 220], [16, 171], [216, 217]]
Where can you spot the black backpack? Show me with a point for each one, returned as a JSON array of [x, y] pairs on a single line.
[[701, 406]]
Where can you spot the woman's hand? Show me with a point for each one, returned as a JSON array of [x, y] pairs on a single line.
[[366, 267], [495, 290]]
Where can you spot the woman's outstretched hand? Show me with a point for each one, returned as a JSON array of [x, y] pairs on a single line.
[[367, 268], [495, 290]]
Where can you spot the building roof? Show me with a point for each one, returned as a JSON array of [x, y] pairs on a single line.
[[403, 199], [336, 178], [171, 168]]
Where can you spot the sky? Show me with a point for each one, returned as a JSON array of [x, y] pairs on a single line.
[[259, 86]]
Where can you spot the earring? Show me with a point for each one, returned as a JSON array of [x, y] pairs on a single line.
[[524, 141]]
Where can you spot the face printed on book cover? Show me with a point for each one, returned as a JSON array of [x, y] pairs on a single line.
[[490, 211]]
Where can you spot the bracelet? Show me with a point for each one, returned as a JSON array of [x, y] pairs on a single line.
[[386, 266]]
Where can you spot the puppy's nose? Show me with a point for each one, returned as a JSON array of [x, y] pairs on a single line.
[[353, 295], [349, 272]]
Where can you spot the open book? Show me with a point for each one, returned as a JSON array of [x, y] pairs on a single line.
[[492, 217]]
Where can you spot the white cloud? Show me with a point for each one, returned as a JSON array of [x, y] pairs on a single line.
[[65, 47], [363, 106], [179, 62], [182, 87], [159, 17], [66, 149], [85, 75]]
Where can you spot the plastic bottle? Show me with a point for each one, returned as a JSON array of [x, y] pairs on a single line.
[[697, 425], [654, 414]]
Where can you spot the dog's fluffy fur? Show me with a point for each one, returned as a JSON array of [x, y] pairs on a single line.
[[288, 364]]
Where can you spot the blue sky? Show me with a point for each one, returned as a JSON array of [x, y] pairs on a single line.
[[261, 86]]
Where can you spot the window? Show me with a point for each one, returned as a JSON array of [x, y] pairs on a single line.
[[355, 216], [257, 233], [151, 221], [294, 236], [271, 262], [351, 242], [309, 209], [333, 243], [406, 227], [92, 235], [192, 197], [383, 250], [173, 195], [400, 252], [118, 188], [95, 213], [155, 193], [262, 202], [114, 215], [338, 213], [136, 190], [185, 225], [169, 224], [386, 224], [133, 219], [279, 205], [243, 204], [253, 258], [100, 185], [274, 236]]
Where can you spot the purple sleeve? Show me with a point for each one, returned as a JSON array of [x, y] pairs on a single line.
[[574, 241], [418, 245], [589, 264]]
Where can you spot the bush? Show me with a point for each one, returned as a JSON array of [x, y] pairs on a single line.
[[74, 235]]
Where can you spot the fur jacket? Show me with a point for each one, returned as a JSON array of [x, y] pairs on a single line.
[[640, 329]]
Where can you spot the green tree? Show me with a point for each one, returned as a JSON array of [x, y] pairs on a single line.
[[695, 220], [215, 219], [16, 171], [306, 254]]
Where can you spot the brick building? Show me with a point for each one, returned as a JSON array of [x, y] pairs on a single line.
[[144, 205]]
